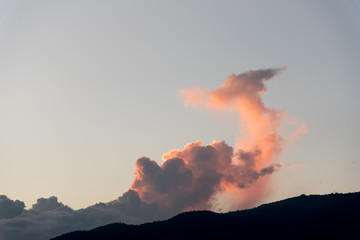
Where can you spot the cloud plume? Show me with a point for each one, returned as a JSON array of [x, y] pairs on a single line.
[[260, 142], [187, 179]]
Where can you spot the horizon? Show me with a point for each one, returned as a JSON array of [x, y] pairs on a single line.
[[316, 209]]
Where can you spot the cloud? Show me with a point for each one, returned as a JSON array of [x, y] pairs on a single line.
[[260, 141], [241, 93], [46, 204], [49, 218], [187, 179], [10, 208], [46, 218]]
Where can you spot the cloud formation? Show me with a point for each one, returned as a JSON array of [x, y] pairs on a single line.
[[49, 217], [242, 93], [260, 142], [187, 179], [10, 208]]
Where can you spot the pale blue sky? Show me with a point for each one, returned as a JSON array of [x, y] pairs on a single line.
[[87, 87]]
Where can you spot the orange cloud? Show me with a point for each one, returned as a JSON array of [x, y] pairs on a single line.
[[189, 179], [198, 176], [260, 125]]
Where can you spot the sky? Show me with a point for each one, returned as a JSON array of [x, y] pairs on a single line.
[[87, 88]]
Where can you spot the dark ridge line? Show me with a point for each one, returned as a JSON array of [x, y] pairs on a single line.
[[331, 216]]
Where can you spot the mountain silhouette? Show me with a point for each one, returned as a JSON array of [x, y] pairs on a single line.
[[332, 216]]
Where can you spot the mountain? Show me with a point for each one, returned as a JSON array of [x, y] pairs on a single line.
[[333, 216]]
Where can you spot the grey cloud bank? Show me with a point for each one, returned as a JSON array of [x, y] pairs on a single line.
[[186, 181]]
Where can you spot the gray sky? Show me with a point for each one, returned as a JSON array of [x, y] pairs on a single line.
[[88, 87]]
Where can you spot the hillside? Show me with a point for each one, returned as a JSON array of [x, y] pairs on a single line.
[[335, 216]]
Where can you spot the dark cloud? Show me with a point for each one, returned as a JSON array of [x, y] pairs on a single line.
[[48, 217], [189, 179], [245, 84], [10, 208], [244, 174], [47, 204]]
